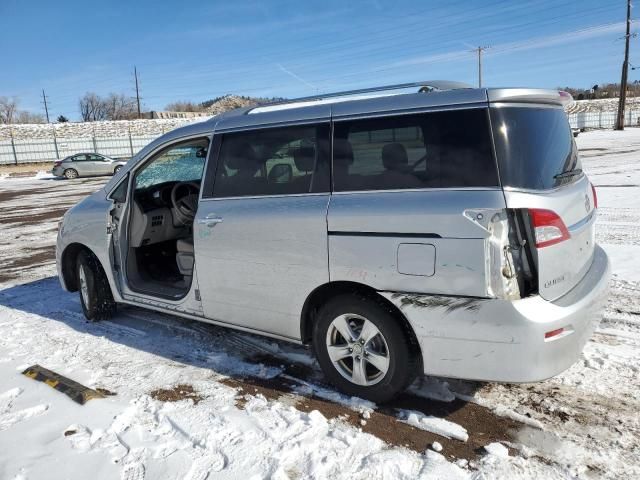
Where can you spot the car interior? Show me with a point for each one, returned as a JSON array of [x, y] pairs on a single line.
[[424, 152], [267, 163], [160, 257]]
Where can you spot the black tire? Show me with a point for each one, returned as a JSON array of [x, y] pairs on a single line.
[[403, 355], [98, 303], [117, 169], [70, 173]]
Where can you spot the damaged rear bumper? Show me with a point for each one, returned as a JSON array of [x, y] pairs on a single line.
[[504, 340]]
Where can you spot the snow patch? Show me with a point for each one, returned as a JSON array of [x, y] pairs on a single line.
[[432, 424], [497, 449]]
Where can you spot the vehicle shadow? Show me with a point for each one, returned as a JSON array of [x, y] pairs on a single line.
[[254, 364], [134, 327]]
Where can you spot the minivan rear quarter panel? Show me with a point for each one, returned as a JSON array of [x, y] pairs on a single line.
[[366, 230]]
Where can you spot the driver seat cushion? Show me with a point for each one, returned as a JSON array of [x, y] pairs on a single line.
[[184, 256]]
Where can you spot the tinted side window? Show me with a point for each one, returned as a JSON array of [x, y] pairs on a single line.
[[79, 158], [275, 161], [430, 150]]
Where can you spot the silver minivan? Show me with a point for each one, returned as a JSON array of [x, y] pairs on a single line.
[[447, 231], [86, 165]]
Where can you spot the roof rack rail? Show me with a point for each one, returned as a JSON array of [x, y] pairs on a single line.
[[426, 86]]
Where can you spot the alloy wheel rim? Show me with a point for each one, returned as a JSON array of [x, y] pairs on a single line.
[[357, 349], [84, 289]]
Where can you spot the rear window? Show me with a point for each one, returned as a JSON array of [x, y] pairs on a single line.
[[429, 150], [535, 147]]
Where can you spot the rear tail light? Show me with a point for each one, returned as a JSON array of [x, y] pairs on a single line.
[[57, 164], [595, 196], [548, 227]]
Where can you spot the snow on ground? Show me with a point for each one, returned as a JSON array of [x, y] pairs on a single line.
[[195, 401]]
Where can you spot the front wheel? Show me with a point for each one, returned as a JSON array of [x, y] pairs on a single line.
[[363, 348], [95, 292], [117, 169], [70, 173]]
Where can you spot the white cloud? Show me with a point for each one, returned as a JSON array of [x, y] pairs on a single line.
[[539, 42]]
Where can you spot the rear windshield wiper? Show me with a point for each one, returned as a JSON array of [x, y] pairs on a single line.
[[570, 173]]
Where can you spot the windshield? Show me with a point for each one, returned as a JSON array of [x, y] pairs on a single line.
[[535, 147]]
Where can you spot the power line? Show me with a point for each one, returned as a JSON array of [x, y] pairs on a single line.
[[625, 71], [480, 50], [46, 108], [135, 73]]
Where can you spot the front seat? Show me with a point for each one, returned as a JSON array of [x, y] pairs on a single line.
[[304, 159], [184, 256], [397, 173]]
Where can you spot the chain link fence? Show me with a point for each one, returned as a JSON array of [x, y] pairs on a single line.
[[603, 119], [22, 144]]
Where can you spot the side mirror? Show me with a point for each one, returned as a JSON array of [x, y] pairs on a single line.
[[202, 153], [281, 173]]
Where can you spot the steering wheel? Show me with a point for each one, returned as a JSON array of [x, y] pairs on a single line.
[[184, 198]]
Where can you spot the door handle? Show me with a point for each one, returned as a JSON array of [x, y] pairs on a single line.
[[210, 220]]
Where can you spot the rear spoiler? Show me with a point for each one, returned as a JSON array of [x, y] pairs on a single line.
[[529, 95]]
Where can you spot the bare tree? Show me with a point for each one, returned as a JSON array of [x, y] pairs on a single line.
[[92, 108], [22, 116], [119, 107], [113, 107], [184, 107], [8, 108]]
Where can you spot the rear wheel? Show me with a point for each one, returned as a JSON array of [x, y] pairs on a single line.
[[117, 169], [95, 292], [71, 173], [363, 349]]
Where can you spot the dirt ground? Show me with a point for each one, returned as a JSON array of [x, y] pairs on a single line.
[[25, 169]]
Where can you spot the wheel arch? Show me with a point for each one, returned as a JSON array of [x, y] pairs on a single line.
[[68, 264], [325, 292]]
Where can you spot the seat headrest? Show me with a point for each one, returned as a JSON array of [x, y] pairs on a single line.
[[304, 158], [342, 151], [394, 156], [239, 154]]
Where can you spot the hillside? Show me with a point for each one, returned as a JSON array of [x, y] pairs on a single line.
[[229, 102]]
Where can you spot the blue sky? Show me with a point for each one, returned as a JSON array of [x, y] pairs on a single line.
[[196, 49]]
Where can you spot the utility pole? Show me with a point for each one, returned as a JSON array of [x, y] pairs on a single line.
[[46, 108], [135, 73], [625, 69], [480, 50]]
